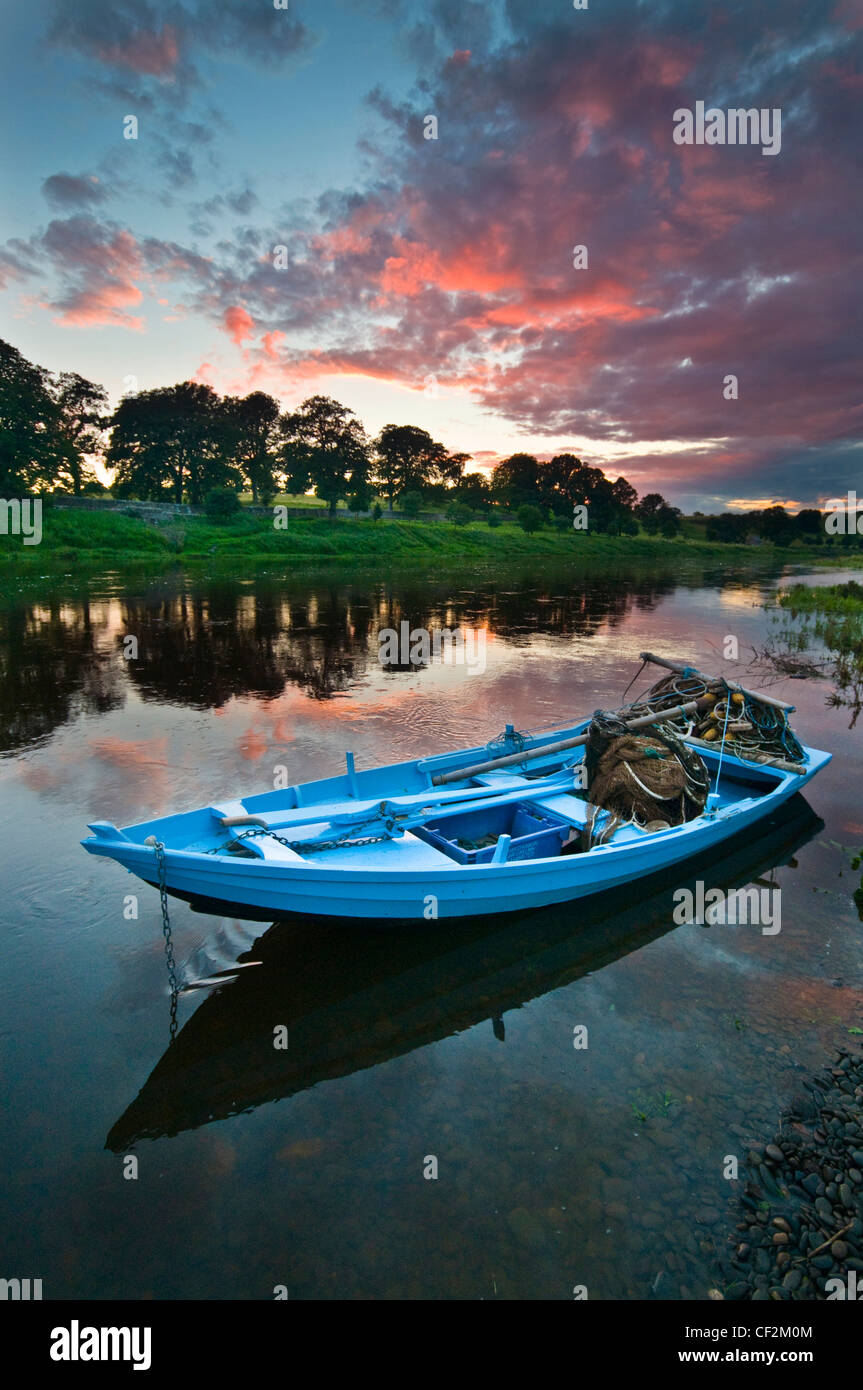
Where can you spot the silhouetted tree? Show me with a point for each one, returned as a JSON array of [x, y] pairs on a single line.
[[776, 526], [254, 422], [515, 480], [809, 524], [325, 448], [83, 418], [729, 528], [408, 459], [475, 491], [171, 443], [31, 444], [648, 511]]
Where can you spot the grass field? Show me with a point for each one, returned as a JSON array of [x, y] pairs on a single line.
[[83, 540]]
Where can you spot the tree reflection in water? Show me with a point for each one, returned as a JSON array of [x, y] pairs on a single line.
[[201, 642]]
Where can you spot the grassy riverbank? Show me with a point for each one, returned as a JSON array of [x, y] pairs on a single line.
[[838, 600], [90, 541]]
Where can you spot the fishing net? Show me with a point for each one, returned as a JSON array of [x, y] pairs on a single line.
[[652, 779], [750, 725]]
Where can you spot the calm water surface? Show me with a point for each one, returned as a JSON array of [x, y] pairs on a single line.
[[556, 1166]]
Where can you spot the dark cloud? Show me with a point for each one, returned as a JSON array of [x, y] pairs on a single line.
[[453, 257], [177, 165], [161, 42], [704, 261], [74, 190]]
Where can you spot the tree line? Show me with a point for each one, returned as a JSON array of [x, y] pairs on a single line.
[[181, 443], [186, 443]]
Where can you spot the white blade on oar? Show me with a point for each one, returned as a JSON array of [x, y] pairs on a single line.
[[215, 961], [220, 977]]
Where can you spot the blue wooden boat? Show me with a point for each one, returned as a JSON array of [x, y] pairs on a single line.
[[460, 834]]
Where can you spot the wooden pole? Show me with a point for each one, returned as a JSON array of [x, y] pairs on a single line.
[[680, 669], [736, 751], [527, 755]]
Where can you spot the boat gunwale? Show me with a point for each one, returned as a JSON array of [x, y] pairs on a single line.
[[448, 871]]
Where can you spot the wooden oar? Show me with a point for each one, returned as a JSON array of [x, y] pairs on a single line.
[[392, 807], [750, 756], [511, 759], [681, 670]]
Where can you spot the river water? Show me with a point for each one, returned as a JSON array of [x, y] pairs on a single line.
[[305, 1169]]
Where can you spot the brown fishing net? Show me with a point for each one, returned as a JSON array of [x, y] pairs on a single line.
[[653, 778]]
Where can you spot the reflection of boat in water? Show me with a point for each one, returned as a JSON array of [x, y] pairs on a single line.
[[353, 1000]]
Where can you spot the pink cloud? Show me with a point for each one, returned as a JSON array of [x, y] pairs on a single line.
[[103, 307], [238, 324], [152, 54], [270, 342]]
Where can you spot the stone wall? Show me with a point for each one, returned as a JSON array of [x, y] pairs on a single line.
[[155, 512]]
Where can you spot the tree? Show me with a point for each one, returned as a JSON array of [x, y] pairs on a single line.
[[657, 516], [254, 423], [529, 518], [475, 491], [775, 525], [83, 419], [412, 503], [174, 442], [606, 514], [648, 510], [810, 525], [452, 468], [407, 458], [325, 448], [566, 481], [624, 494], [728, 529], [669, 522], [459, 513], [361, 496], [31, 444], [222, 504], [515, 480]]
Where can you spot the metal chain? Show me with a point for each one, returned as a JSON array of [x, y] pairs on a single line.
[[297, 845], [159, 850]]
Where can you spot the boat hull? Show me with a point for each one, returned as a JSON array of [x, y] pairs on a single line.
[[401, 887]]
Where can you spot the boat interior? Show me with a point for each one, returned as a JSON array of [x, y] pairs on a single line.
[[546, 820]]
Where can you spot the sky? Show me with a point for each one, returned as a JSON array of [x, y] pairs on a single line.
[[432, 281]]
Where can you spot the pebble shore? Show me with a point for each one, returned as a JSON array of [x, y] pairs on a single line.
[[801, 1208]]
